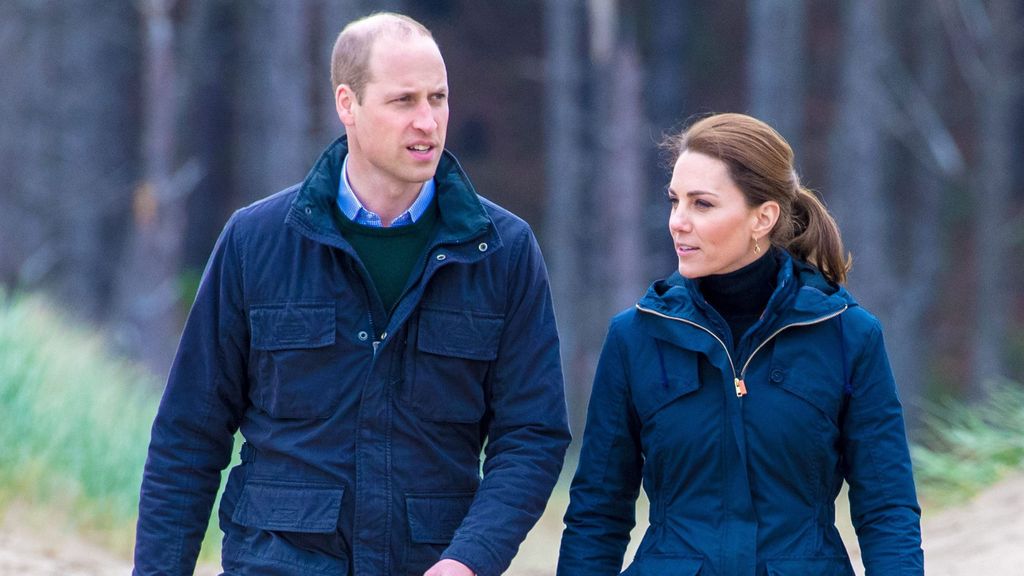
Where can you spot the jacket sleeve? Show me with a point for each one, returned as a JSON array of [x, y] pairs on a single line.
[[602, 505], [528, 432], [193, 433], [876, 459]]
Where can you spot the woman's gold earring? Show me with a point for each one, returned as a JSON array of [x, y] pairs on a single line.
[[757, 247]]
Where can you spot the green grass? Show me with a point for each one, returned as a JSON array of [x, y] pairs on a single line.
[[75, 424], [966, 447]]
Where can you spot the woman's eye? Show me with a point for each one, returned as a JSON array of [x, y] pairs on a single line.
[[702, 204]]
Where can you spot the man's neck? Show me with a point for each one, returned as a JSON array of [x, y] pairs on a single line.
[[386, 198]]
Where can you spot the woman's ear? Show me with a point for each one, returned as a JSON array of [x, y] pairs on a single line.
[[765, 217]]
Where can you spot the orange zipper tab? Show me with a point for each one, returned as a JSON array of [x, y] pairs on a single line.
[[741, 387]]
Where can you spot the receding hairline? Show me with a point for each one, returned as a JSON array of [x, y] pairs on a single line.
[[386, 23], [361, 35]]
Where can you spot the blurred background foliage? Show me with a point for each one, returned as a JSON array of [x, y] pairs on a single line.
[[133, 128]]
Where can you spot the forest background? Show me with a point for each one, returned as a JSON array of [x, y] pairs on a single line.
[[132, 129]]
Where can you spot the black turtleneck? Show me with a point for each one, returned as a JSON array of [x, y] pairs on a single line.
[[740, 296]]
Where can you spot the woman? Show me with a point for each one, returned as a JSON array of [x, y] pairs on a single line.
[[743, 390]]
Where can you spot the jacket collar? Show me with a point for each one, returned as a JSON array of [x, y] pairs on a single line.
[[463, 216], [802, 294]]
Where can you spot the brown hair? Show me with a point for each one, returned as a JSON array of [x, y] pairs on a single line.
[[760, 162], [350, 59]]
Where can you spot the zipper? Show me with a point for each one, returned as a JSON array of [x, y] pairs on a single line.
[[741, 389], [776, 333], [738, 383]]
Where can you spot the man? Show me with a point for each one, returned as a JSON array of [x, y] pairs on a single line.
[[367, 331]]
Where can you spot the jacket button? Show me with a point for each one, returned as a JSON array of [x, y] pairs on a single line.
[[483, 246], [777, 375], [383, 335], [362, 335], [308, 210], [440, 257]]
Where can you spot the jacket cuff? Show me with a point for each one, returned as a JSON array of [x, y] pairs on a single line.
[[475, 557]]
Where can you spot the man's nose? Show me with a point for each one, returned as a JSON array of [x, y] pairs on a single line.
[[424, 118]]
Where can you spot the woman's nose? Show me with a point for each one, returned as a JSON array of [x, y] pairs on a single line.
[[679, 220]]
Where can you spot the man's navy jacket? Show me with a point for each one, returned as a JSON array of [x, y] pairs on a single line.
[[364, 431]]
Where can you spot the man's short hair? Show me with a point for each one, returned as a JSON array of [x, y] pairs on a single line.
[[350, 59]]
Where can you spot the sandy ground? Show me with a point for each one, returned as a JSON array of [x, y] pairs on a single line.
[[982, 537]]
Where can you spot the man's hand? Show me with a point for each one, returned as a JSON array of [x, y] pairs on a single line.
[[448, 567]]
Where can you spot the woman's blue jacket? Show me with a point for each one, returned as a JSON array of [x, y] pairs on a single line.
[[744, 485]]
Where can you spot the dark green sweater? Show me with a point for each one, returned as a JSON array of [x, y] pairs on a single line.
[[389, 254]]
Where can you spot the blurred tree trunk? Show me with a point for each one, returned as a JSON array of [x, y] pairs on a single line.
[[564, 122], [262, 105], [776, 61], [666, 87], [66, 150], [209, 35], [856, 192], [986, 39], [285, 105], [924, 178], [891, 277], [149, 313], [621, 181], [896, 238]]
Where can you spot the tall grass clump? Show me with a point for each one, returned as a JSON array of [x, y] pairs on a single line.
[[967, 447], [74, 422]]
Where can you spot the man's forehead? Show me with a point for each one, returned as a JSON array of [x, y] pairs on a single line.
[[392, 41], [396, 55]]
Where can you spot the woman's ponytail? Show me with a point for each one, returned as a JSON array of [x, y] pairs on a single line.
[[816, 237], [760, 162]]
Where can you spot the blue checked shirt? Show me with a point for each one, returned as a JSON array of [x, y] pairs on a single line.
[[354, 210]]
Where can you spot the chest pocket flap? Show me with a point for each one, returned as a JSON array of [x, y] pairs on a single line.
[[293, 358], [812, 373], [460, 333], [292, 325], [667, 374], [454, 350]]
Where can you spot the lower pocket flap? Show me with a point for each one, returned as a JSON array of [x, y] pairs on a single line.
[[434, 518], [658, 565], [289, 507], [816, 566]]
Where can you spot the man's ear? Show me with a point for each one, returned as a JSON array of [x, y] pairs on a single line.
[[344, 102], [765, 217]]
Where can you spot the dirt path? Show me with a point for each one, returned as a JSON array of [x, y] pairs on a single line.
[[982, 537]]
